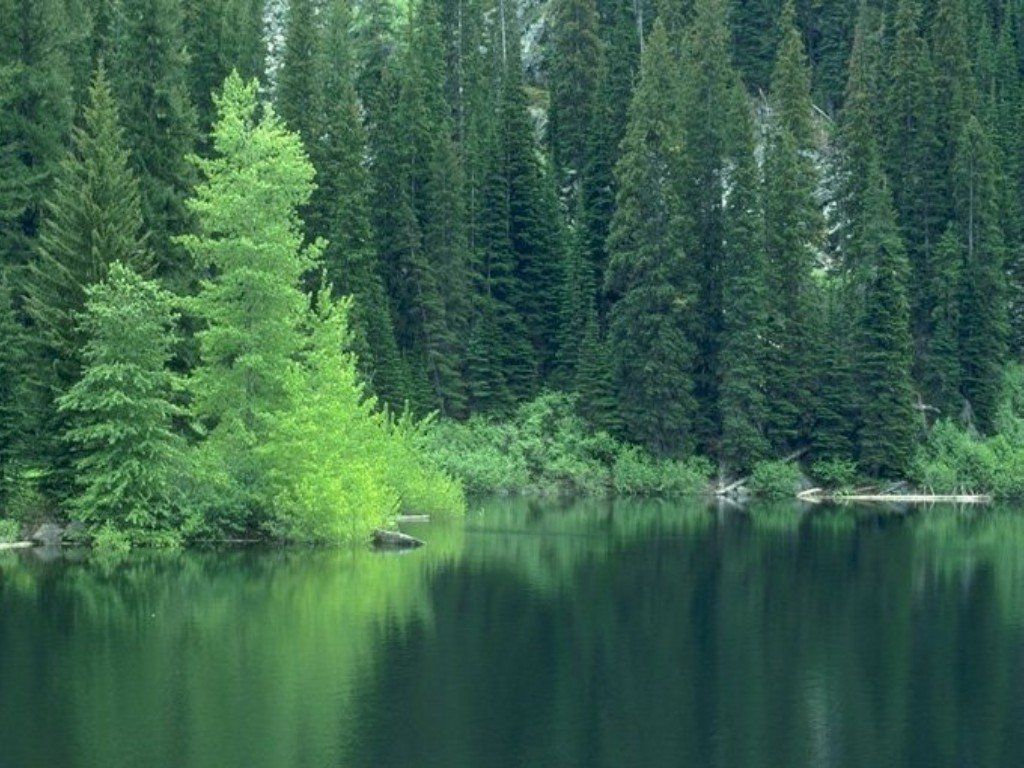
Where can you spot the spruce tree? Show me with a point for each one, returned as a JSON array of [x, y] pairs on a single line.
[[911, 151], [35, 116], [340, 211], [983, 311], [93, 218], [650, 281], [14, 370], [298, 86], [150, 79], [741, 387], [252, 308], [711, 101], [888, 429], [793, 225], [941, 357], [130, 460], [595, 379]]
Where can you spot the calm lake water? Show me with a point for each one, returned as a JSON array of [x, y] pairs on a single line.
[[535, 634]]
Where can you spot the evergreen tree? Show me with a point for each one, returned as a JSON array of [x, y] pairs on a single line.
[[93, 218], [711, 102], [741, 388], [14, 367], [298, 86], [911, 152], [35, 115], [983, 311], [252, 307], [649, 279], [129, 462], [150, 80], [793, 232], [340, 211], [836, 344], [941, 364], [595, 379], [754, 40], [222, 35], [887, 431]]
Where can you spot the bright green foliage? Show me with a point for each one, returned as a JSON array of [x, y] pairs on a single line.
[[338, 468], [149, 73], [35, 114], [252, 307], [93, 219], [129, 459], [742, 384], [649, 278], [793, 231], [340, 211], [983, 311], [775, 479], [835, 474], [888, 428]]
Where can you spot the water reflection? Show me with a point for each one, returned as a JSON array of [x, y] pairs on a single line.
[[536, 634]]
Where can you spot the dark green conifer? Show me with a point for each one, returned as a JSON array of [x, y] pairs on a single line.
[[149, 74], [650, 281]]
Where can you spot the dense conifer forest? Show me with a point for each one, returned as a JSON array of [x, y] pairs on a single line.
[[287, 266]]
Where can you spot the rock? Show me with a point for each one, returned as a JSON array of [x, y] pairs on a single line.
[[76, 533], [48, 534], [394, 540]]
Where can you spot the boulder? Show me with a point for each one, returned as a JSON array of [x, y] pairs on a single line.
[[394, 540], [48, 535]]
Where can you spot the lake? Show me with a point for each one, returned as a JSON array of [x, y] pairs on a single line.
[[534, 634]]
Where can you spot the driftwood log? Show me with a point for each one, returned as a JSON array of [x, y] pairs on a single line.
[[394, 540], [725, 490]]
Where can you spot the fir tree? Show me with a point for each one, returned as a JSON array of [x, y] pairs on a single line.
[[887, 431], [941, 357], [14, 369], [150, 80], [340, 211], [298, 86], [595, 379], [93, 218], [793, 227], [983, 311], [252, 307], [649, 278], [741, 387], [129, 464], [35, 115], [711, 102]]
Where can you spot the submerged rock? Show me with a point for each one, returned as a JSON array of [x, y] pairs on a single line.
[[394, 540], [48, 535]]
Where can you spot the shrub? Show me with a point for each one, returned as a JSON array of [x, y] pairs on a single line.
[[775, 479], [10, 531], [836, 474], [110, 540], [637, 473]]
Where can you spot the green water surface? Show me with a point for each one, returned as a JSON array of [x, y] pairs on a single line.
[[535, 634]]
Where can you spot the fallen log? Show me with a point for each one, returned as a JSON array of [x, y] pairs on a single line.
[[394, 540], [900, 498], [414, 518], [16, 545]]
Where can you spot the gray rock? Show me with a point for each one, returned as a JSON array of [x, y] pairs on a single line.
[[48, 534], [394, 540]]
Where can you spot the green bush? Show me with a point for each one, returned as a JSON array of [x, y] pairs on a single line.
[[10, 531], [112, 541], [637, 473], [775, 479], [835, 474]]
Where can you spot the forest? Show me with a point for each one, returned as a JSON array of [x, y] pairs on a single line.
[[287, 267]]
